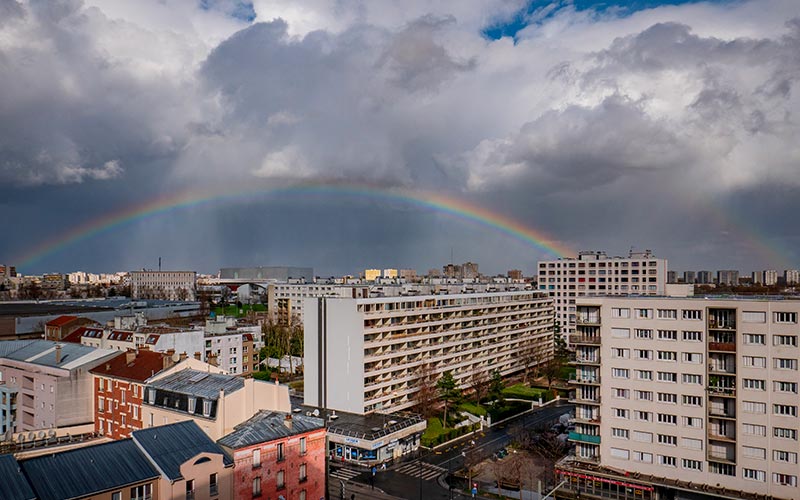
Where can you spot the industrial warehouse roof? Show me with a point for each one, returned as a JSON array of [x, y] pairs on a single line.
[[15, 486], [9, 346], [43, 352], [198, 383], [86, 471], [267, 426], [170, 446]]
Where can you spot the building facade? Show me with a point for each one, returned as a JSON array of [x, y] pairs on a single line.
[[693, 395], [791, 276], [595, 274], [728, 277], [365, 355], [770, 277], [169, 285], [278, 454]]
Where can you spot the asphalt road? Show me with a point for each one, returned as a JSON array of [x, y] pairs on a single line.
[[418, 479]]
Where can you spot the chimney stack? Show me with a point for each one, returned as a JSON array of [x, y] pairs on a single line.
[[287, 421], [58, 353], [212, 359], [183, 355], [198, 356], [130, 356]]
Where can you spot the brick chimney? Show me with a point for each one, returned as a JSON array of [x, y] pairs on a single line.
[[167, 360], [130, 356], [183, 356], [58, 353], [212, 359], [287, 421], [198, 356]]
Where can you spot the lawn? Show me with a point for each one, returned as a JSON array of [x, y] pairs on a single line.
[[232, 310], [433, 431], [469, 407], [522, 391]]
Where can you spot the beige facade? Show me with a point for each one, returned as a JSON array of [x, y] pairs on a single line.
[[204, 476], [365, 355], [702, 391], [594, 274], [170, 285]]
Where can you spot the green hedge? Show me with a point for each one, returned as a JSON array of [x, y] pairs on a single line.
[[435, 434], [508, 409]]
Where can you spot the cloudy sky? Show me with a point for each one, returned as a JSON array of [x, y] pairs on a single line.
[[603, 124]]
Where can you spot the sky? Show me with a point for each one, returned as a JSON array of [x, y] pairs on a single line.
[[596, 125]]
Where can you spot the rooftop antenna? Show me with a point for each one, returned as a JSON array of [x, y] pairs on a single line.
[[159, 264]]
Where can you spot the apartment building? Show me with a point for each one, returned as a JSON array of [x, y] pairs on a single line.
[[58, 328], [168, 285], [770, 277], [728, 277], [365, 355], [686, 395], [791, 276], [285, 300], [596, 274]]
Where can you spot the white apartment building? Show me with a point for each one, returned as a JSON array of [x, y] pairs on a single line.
[[770, 277], [369, 354], [596, 274], [791, 276], [690, 396], [169, 285]]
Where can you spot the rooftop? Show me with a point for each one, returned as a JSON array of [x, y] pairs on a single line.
[[198, 383], [43, 352], [369, 427], [61, 321], [85, 471], [84, 331], [170, 446], [267, 426], [145, 364], [15, 487]]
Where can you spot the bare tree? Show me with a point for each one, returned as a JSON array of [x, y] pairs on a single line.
[[427, 392], [479, 382]]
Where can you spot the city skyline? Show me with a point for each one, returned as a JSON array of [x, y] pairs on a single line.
[[323, 136]]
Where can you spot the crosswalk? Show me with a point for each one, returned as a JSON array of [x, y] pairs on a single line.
[[344, 473], [422, 470]]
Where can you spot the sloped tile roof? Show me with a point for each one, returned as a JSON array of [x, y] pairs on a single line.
[[267, 426], [145, 365], [15, 486]]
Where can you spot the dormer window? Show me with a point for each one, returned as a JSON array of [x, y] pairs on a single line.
[[192, 404], [206, 408]]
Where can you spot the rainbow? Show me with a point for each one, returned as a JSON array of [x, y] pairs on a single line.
[[436, 202]]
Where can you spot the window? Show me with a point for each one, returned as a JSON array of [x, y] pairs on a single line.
[[755, 339], [256, 487], [693, 336], [213, 485], [206, 408], [617, 312], [754, 384], [754, 362], [281, 455], [754, 407], [643, 416], [691, 464], [784, 410], [666, 418], [302, 495], [618, 352], [722, 469], [692, 314], [784, 456], [143, 492], [784, 340], [644, 314], [784, 479], [667, 461], [692, 444], [100, 384], [689, 400], [754, 430], [641, 456], [644, 354], [621, 413], [665, 397], [643, 334], [190, 489], [692, 357], [122, 396], [667, 356], [256, 458], [667, 335], [754, 317], [621, 393], [620, 453], [619, 372], [643, 395], [303, 474], [280, 482], [753, 452], [619, 433], [667, 377], [644, 375], [117, 495], [779, 386], [785, 363], [643, 437], [101, 405], [151, 396], [667, 314], [302, 446], [754, 475], [621, 333], [667, 440], [786, 317], [783, 433]]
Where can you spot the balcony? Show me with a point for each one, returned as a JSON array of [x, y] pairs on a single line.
[[713, 436], [593, 320], [586, 360], [595, 400], [584, 380], [728, 413], [583, 438], [722, 346], [722, 458], [721, 324], [726, 392], [584, 339], [721, 369], [587, 420]]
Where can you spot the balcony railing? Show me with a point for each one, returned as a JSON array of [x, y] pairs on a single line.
[[583, 438], [584, 339], [721, 324], [721, 437], [722, 391], [722, 346], [722, 412], [584, 380], [588, 320]]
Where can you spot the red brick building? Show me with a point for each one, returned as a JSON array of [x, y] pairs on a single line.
[[58, 328], [278, 454], [119, 389]]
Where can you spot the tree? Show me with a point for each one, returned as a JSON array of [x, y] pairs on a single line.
[[551, 370], [479, 381], [496, 386], [448, 391], [560, 349], [426, 390]]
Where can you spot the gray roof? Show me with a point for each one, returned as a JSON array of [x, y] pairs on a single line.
[[199, 383], [267, 426], [9, 346], [89, 470], [170, 446], [36, 352], [15, 486]]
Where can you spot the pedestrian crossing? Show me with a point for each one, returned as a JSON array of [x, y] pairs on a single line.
[[344, 473], [422, 470]]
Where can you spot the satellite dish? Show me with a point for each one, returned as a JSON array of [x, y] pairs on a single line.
[[31, 436], [42, 434], [176, 357], [315, 412], [21, 438]]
